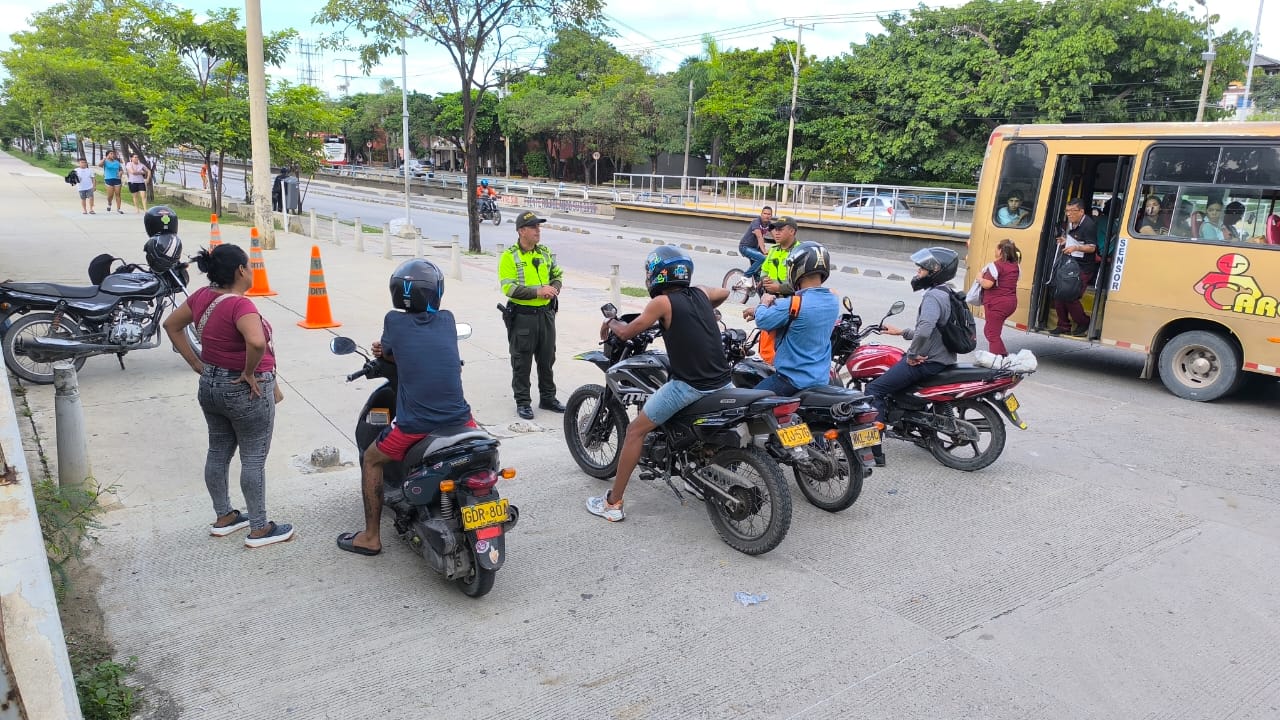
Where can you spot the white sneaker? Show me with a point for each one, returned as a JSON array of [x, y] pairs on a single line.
[[605, 509]]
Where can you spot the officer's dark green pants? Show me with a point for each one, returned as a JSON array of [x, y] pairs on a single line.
[[533, 337]]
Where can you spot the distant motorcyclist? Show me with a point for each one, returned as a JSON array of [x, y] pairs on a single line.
[[801, 324], [422, 340], [486, 197], [698, 364], [928, 354]]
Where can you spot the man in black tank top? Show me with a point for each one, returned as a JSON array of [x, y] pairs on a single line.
[[698, 363]]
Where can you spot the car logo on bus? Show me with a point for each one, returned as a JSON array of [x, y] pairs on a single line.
[[1232, 277]]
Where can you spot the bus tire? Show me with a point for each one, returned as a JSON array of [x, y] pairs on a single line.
[[1201, 366]]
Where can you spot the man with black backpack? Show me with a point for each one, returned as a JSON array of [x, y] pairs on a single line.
[[1074, 269], [930, 353]]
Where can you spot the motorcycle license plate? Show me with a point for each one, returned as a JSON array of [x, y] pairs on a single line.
[[795, 436], [866, 438], [483, 514], [1011, 402], [378, 416]]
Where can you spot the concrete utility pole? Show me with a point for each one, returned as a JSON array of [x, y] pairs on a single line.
[[1208, 58], [1253, 59], [257, 72], [408, 230], [688, 127], [795, 87]]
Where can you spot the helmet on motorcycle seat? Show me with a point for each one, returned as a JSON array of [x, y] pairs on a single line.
[[484, 183], [160, 220], [940, 264], [667, 267], [807, 258], [417, 286], [163, 252]]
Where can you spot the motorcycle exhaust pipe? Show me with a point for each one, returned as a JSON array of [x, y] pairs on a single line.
[[724, 475], [50, 349]]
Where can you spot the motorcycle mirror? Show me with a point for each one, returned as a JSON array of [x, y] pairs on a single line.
[[342, 346], [897, 308], [464, 331], [848, 304], [609, 310]]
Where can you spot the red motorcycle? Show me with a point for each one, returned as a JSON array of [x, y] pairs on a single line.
[[955, 414]]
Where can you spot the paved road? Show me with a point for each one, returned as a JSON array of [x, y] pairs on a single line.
[[1120, 561]]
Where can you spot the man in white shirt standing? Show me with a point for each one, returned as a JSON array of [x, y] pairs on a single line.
[[86, 187]]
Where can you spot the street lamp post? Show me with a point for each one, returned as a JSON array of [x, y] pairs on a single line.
[[791, 123], [1253, 58], [1208, 58], [404, 127]]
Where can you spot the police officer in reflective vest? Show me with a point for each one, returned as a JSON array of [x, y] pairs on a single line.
[[531, 280]]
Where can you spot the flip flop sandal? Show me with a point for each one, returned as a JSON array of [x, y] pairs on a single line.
[[279, 533], [347, 541]]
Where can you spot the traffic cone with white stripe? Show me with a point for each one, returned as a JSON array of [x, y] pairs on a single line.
[[261, 287], [215, 232], [318, 315]]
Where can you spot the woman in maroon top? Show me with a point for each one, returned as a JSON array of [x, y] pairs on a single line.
[[237, 389], [1000, 293]]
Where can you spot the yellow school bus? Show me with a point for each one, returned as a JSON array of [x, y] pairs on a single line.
[[1187, 223]]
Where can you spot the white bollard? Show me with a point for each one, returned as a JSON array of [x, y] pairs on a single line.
[[386, 240], [501, 249], [417, 245], [73, 446], [615, 286], [359, 235], [455, 257], [311, 215], [337, 240]]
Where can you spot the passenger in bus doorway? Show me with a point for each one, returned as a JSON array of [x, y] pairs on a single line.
[[999, 282], [1077, 239]]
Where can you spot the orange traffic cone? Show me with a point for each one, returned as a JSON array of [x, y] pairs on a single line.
[[260, 286], [215, 232], [318, 315]]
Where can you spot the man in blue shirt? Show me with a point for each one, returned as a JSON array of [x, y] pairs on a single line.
[[429, 395], [802, 325]]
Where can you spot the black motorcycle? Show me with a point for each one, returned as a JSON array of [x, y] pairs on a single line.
[[846, 440], [444, 492], [488, 209], [709, 444], [120, 312]]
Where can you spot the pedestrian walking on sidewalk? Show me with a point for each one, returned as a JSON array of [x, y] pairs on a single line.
[[138, 174], [111, 169], [85, 186], [238, 392], [531, 280]]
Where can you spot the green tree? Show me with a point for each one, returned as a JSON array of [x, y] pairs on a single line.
[[1266, 94], [477, 34]]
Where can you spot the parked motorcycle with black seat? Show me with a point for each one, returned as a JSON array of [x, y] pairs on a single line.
[[710, 444], [119, 313], [444, 493], [844, 439]]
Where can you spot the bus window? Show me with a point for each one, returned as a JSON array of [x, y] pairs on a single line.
[[1020, 176], [1182, 164], [1249, 166]]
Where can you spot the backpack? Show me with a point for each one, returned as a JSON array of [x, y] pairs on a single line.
[[72, 178], [1066, 283], [959, 332]]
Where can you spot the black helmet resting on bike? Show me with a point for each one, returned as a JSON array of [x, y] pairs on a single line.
[[940, 264], [417, 286], [160, 220], [807, 258], [667, 267], [163, 251]]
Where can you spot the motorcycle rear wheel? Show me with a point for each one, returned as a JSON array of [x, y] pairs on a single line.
[[768, 493], [596, 452], [734, 282], [32, 325], [842, 489], [479, 583], [964, 455]]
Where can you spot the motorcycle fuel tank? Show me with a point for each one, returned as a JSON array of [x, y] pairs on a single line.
[[122, 284], [871, 361]]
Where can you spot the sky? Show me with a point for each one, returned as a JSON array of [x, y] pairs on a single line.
[[667, 30]]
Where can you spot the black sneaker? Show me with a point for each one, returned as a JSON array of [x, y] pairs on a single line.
[[1057, 331], [553, 405], [524, 411], [1080, 332]]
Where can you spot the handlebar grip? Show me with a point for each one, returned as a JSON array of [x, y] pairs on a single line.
[[362, 372]]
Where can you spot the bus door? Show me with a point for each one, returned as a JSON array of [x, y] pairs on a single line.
[[1099, 181]]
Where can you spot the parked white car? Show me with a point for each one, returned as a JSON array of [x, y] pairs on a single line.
[[876, 206]]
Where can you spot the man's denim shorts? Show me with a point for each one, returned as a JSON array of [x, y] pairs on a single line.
[[672, 397]]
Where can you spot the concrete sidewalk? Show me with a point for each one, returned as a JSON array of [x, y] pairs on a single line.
[[1066, 582]]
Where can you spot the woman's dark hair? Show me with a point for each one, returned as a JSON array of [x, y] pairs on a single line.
[[221, 263], [1009, 252]]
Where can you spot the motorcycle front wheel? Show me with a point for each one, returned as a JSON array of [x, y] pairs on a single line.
[[497, 217], [962, 454], [479, 583], [595, 449], [763, 518], [33, 325], [736, 283], [838, 490]]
